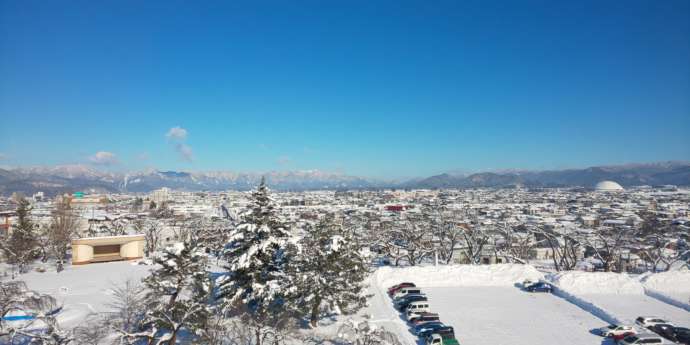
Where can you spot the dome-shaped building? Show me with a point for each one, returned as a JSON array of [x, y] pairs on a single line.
[[608, 186]]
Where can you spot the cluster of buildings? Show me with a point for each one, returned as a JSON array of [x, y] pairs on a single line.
[[584, 213]]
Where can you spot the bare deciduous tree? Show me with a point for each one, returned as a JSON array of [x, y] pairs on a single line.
[[62, 229], [563, 245], [410, 239]]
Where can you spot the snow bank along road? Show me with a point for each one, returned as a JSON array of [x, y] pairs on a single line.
[[618, 297], [484, 306]]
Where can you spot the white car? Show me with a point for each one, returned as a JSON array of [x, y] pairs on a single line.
[[646, 338], [407, 291], [649, 321], [614, 330]]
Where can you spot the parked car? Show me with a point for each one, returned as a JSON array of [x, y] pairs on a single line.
[[622, 336], [438, 339], [416, 308], [424, 317], [648, 321], [540, 287], [446, 330], [665, 330], [402, 298], [393, 289], [403, 303], [613, 330], [414, 315], [427, 327], [643, 339], [682, 335], [407, 291]]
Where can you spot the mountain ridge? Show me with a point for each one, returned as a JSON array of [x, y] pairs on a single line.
[[54, 180]]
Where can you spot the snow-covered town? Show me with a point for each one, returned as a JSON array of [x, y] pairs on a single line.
[[476, 266], [344, 172]]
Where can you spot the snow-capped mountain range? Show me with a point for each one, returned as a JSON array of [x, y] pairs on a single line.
[[69, 178]]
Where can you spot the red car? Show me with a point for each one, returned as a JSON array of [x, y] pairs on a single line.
[[393, 289], [620, 336]]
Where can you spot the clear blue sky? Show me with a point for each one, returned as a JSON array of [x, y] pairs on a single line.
[[370, 88]]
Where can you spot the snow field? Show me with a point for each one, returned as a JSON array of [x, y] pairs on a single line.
[[507, 315], [83, 290], [672, 287], [615, 297], [484, 305]]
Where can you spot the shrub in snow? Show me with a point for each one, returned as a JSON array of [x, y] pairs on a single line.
[[27, 317], [178, 292], [354, 332]]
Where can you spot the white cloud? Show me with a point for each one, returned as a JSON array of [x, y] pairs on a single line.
[[185, 152], [284, 160], [3, 156], [177, 133], [144, 156], [103, 158]]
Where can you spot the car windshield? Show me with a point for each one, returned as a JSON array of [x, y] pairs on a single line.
[[612, 326]]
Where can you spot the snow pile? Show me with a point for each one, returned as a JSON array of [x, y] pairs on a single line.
[[674, 282], [672, 287], [585, 283], [457, 275]]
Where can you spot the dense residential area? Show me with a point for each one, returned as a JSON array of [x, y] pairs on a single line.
[[504, 172], [262, 267]]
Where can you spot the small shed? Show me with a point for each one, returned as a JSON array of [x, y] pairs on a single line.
[[110, 248]]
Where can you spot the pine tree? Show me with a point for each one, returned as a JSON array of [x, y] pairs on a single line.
[[178, 293], [328, 272], [256, 260], [20, 249]]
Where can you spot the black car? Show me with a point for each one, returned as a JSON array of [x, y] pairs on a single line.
[[405, 297], [402, 305], [440, 330], [665, 330], [540, 287], [682, 335]]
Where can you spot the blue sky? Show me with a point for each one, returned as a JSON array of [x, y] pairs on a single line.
[[370, 88]]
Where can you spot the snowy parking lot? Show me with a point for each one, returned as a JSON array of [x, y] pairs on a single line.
[[627, 308], [485, 306], [508, 315]]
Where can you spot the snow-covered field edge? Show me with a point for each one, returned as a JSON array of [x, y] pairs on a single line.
[[587, 306], [667, 299], [671, 287]]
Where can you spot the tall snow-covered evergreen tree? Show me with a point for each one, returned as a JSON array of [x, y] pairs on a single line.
[[178, 293], [256, 259], [328, 272], [20, 247]]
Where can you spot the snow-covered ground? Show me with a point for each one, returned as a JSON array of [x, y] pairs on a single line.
[[504, 315], [484, 306], [481, 302], [672, 287], [616, 297], [83, 290]]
